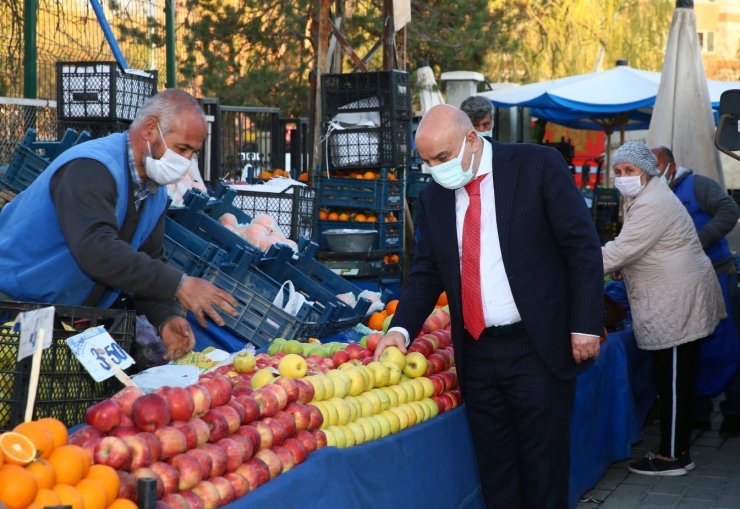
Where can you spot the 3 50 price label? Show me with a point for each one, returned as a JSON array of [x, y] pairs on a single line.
[[99, 353]]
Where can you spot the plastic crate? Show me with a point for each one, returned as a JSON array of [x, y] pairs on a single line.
[[360, 193], [95, 129], [294, 209], [416, 181], [387, 92], [368, 147], [389, 238], [101, 91], [65, 389]]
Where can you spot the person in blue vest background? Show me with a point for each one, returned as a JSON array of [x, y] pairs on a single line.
[[715, 214], [90, 228]]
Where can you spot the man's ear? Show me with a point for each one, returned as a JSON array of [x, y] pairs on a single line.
[[150, 130]]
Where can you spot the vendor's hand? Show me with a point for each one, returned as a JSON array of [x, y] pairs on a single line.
[[200, 297], [394, 338], [584, 347], [177, 336]]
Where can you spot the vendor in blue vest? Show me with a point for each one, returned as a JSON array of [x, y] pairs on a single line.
[[715, 214], [91, 227]]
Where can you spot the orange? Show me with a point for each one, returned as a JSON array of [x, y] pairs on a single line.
[[123, 503], [333, 216], [2, 458], [376, 320], [390, 218], [40, 435], [46, 497], [394, 258], [70, 496], [70, 463], [265, 175], [58, 430], [343, 216], [18, 449], [391, 306], [323, 214], [44, 473], [361, 218], [108, 477], [303, 177], [17, 487], [392, 176], [35, 506], [372, 218], [93, 492], [442, 300], [370, 175]]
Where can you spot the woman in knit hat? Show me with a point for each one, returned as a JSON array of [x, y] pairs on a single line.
[[674, 297]]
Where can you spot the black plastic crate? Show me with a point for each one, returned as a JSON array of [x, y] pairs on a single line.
[[101, 91], [368, 147], [387, 92], [65, 388], [95, 129], [294, 209], [368, 194]]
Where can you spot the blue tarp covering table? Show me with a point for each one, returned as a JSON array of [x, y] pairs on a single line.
[[433, 465]]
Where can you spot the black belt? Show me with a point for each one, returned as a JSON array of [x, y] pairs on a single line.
[[498, 331]]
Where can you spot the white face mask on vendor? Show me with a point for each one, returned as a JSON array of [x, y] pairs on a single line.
[[169, 168]]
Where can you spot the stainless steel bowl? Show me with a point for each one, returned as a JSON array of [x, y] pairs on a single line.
[[347, 240]]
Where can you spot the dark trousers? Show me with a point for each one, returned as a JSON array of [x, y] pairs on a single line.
[[519, 416], [675, 377]]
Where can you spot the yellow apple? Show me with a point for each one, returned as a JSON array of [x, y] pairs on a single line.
[[416, 365], [410, 391], [342, 408], [367, 428], [366, 405], [339, 437], [421, 415], [394, 355], [419, 390], [292, 366], [349, 437], [393, 420], [359, 433], [262, 377], [403, 417], [392, 396], [410, 413], [394, 372], [341, 382], [433, 408], [385, 401], [428, 386], [375, 400], [385, 425], [244, 362], [357, 381], [354, 407], [331, 441], [381, 373], [400, 393]]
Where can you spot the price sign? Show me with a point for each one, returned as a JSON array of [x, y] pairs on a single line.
[[31, 322], [99, 353]]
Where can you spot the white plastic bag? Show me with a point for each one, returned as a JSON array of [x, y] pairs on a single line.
[[295, 300]]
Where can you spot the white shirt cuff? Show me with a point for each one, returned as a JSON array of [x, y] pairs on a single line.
[[584, 334], [402, 331]]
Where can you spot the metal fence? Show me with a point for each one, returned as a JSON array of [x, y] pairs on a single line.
[[20, 114]]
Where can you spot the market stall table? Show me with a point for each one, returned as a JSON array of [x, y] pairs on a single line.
[[433, 465]]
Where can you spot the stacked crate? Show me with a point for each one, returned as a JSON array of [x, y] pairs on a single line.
[[367, 144]]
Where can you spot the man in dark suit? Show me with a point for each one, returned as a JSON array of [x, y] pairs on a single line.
[[524, 279]]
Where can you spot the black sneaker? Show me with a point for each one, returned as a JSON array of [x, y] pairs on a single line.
[[730, 427], [652, 465], [684, 459]]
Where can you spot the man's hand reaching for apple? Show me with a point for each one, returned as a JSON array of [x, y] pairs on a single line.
[[393, 338]]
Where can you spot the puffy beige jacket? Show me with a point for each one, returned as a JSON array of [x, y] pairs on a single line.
[[672, 288]]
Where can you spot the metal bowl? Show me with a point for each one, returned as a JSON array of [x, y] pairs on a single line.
[[347, 240]]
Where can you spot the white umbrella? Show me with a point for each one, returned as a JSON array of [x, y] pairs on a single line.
[[682, 117], [429, 94]]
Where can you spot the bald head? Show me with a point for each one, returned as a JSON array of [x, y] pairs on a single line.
[[441, 133], [444, 119]]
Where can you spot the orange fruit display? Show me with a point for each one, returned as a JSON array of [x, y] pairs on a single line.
[[109, 479], [44, 473], [58, 430], [93, 492], [69, 496], [46, 497], [123, 503], [391, 307], [375, 321], [40, 435], [17, 487], [17, 449], [70, 463]]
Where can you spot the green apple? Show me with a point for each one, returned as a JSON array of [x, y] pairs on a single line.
[[380, 372], [334, 347], [292, 366], [244, 362], [292, 346], [263, 377], [416, 365], [394, 372], [394, 355], [363, 341], [275, 347], [387, 323], [393, 420]]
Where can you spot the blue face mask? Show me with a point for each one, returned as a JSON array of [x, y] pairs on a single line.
[[450, 174], [488, 133]]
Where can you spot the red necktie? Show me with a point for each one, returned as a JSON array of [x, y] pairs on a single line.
[[470, 279]]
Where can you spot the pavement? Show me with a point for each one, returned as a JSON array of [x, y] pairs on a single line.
[[713, 484]]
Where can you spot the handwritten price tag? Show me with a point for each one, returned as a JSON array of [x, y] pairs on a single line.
[[31, 322], [99, 353]]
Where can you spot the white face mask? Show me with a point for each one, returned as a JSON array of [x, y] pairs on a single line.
[[628, 186], [664, 175], [169, 168], [488, 133], [450, 174]]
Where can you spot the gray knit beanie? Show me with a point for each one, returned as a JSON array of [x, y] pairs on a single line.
[[637, 154]]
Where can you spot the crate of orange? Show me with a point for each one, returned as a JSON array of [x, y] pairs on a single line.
[[65, 389], [369, 192]]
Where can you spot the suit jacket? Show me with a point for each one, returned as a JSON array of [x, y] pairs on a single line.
[[550, 250]]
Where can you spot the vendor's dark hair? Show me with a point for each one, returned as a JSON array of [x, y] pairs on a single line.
[[476, 107], [666, 153]]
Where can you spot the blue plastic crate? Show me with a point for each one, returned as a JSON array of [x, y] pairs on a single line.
[[389, 238], [360, 193], [416, 181], [23, 169]]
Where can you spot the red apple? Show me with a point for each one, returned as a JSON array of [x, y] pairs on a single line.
[[246, 444], [205, 459], [435, 363], [267, 402], [217, 424], [239, 483], [297, 450], [301, 415], [233, 403], [209, 494], [339, 358], [201, 399], [290, 385], [127, 488], [316, 419], [306, 392], [320, 438], [189, 469], [150, 411], [439, 384], [114, 452], [266, 434], [285, 457], [440, 402], [255, 471], [226, 490], [126, 397], [354, 350], [202, 430], [84, 434], [188, 431], [307, 439], [449, 401], [219, 386], [175, 501], [90, 446], [288, 421], [169, 475], [141, 456], [153, 444], [280, 394], [219, 458], [252, 434], [372, 341], [181, 403], [234, 453], [272, 461], [194, 501], [242, 389], [104, 415], [233, 421], [279, 431], [148, 473], [251, 408], [173, 441], [123, 431]]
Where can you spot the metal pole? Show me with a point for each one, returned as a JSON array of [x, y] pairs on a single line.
[[169, 10], [30, 53]]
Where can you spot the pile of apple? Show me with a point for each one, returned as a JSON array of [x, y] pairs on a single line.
[[205, 444]]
